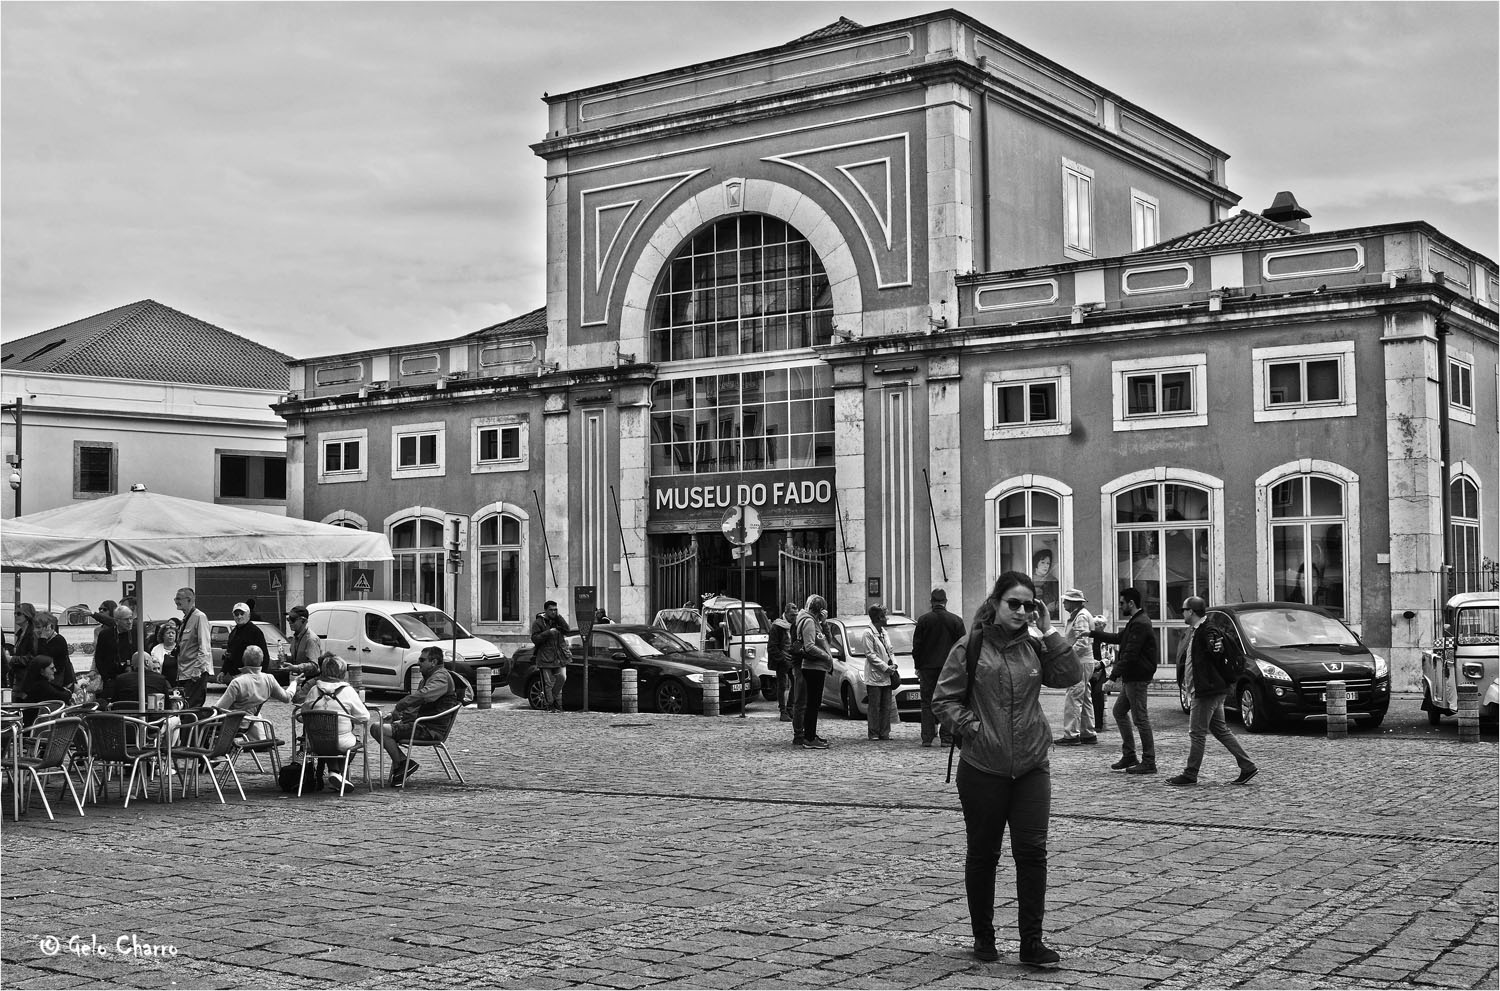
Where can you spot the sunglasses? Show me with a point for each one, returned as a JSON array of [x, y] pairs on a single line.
[[1020, 604]]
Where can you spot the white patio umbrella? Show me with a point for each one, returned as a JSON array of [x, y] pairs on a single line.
[[142, 531]]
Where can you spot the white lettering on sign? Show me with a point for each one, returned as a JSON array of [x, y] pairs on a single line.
[[744, 494]]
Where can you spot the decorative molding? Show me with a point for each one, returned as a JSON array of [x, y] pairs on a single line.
[[1153, 285], [607, 235], [1042, 81], [1015, 289], [1330, 259]]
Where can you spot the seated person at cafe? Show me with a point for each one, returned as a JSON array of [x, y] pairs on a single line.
[[49, 643], [37, 685], [331, 693], [123, 687], [252, 688], [436, 693]]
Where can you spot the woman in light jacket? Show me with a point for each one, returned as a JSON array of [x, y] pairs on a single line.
[[1003, 777], [880, 677], [331, 693]]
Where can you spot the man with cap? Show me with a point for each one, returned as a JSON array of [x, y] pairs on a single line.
[[245, 634], [937, 631], [1078, 709], [252, 688], [306, 648]]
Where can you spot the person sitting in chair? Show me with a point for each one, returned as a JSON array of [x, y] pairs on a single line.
[[251, 689], [435, 694], [331, 693], [123, 687]]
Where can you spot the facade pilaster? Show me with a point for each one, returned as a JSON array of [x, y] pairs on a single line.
[[635, 460], [950, 216], [557, 482], [558, 262], [850, 481], [944, 462]]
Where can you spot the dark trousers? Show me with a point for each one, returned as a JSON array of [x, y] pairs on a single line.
[[1096, 689], [990, 803], [1131, 705], [194, 691], [784, 681], [812, 701], [796, 702], [927, 679], [1207, 717]]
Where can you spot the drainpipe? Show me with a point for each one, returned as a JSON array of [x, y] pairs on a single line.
[[1443, 454], [984, 177]]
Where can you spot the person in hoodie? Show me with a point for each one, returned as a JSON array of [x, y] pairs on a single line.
[[779, 659], [1004, 778]]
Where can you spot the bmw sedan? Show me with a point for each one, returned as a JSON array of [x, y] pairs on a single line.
[[1292, 651], [669, 672]]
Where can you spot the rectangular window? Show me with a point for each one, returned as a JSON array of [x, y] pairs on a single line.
[[1160, 393], [1031, 403], [1027, 402], [96, 470], [1304, 381], [417, 451], [1296, 383], [499, 443], [1461, 385], [256, 477], [340, 455], [1157, 393], [1078, 208], [1145, 230]]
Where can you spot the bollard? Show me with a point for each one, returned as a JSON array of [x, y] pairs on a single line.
[[483, 687], [1338, 709], [1468, 713], [355, 675], [710, 693], [630, 701]]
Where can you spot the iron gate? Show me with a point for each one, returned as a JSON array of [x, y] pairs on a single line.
[[675, 577], [804, 571]]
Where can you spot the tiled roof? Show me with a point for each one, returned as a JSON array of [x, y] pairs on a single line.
[[526, 323], [152, 342], [1244, 226], [841, 26]]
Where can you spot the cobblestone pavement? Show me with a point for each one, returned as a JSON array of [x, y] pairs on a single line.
[[603, 850]]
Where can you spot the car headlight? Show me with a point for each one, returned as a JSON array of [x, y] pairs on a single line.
[[1382, 666], [1473, 670], [1271, 671], [696, 677]]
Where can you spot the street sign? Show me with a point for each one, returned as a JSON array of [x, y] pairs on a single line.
[[127, 589], [741, 524], [364, 580], [583, 607], [276, 575], [743, 550]]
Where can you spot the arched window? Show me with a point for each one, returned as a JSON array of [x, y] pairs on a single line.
[[743, 285], [1164, 547], [500, 569], [1028, 539], [1308, 542], [1463, 535], [418, 570], [338, 579]]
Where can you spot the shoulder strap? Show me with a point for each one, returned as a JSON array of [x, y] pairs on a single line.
[[971, 664], [324, 693]]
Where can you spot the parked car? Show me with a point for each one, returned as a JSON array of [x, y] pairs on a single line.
[[844, 689], [276, 645], [669, 671], [386, 638], [75, 623], [1468, 652], [715, 624], [1292, 651]]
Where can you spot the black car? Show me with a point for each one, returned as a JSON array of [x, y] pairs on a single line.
[[669, 671], [1292, 651]]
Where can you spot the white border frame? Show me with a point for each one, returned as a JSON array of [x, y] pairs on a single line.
[[981, 307], [362, 474], [1183, 267], [1061, 374], [1087, 175], [478, 517], [1455, 411], [1052, 486], [1270, 256], [519, 420], [1145, 199], [1347, 405], [1197, 364], [438, 427], [1354, 611], [1216, 527]]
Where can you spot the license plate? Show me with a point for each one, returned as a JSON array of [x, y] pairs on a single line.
[[1349, 696]]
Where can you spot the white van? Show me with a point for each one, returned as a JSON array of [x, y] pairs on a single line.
[[385, 638]]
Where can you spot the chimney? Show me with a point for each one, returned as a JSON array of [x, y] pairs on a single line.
[[1284, 210]]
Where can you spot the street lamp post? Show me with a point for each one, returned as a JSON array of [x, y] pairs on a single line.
[[16, 409]]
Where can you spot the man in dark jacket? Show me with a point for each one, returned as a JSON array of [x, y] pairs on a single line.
[[115, 645], [245, 634], [125, 686], [548, 629], [1203, 654], [937, 631], [779, 660], [1135, 664]]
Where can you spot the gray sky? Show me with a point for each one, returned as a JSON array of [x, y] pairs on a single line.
[[328, 177]]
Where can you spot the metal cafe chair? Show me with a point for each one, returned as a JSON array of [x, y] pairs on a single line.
[[320, 737], [47, 752], [210, 748], [437, 744], [118, 740]]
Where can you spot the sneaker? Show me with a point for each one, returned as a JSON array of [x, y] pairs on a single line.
[[401, 774], [338, 780], [1145, 767], [786, 718], [1124, 763], [1246, 775], [1038, 954], [926, 743], [816, 743], [984, 949], [1182, 779], [1086, 740], [1066, 741]]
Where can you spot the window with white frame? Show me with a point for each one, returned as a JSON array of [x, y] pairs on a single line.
[[341, 456], [339, 579], [1461, 387], [1304, 381], [1463, 536], [417, 568], [1164, 544], [1028, 538], [1308, 542], [1145, 228], [1157, 393], [417, 450], [1028, 402], [500, 569], [1078, 210], [499, 443]]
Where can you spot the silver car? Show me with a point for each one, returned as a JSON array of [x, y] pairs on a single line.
[[844, 689]]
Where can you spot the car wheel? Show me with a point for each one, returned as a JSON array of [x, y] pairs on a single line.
[[851, 708], [1183, 698], [536, 696], [1433, 716], [671, 697], [1252, 711], [1372, 723]]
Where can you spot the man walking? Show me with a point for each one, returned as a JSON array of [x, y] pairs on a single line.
[[195, 657], [1135, 663], [937, 631], [1078, 709], [1204, 654], [547, 632]]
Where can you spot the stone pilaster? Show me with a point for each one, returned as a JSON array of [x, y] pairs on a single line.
[[950, 217], [558, 261], [944, 460], [635, 461], [556, 500], [1414, 489], [849, 480]]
